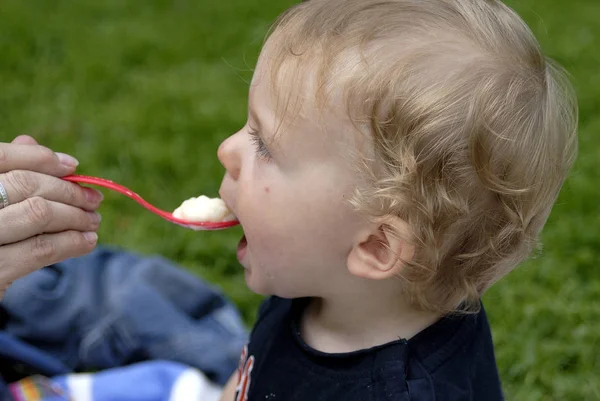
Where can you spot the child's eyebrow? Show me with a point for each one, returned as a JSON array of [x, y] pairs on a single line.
[[254, 116]]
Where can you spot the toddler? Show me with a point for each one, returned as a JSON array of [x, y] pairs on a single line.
[[399, 157]]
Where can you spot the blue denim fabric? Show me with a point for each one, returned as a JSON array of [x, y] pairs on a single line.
[[111, 308]]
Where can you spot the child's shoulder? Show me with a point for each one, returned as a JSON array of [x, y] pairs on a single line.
[[454, 358]]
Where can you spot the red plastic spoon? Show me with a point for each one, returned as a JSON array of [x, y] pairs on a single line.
[[194, 225]]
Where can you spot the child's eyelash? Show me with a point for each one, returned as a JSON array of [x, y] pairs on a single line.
[[261, 150]]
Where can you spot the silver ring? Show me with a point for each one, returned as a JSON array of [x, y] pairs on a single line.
[[3, 197]]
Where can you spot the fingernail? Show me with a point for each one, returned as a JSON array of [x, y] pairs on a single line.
[[90, 236], [93, 195], [67, 160], [95, 217]]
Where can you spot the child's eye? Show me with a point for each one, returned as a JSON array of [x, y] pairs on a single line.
[[261, 150]]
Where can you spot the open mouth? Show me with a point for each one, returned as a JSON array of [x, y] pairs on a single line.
[[241, 248]]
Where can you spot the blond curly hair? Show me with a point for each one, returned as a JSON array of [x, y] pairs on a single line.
[[473, 129]]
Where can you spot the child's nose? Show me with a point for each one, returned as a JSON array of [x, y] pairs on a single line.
[[229, 156]]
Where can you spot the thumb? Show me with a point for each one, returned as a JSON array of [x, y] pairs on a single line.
[[24, 140]]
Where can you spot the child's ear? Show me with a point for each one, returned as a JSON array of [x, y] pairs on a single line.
[[381, 251]]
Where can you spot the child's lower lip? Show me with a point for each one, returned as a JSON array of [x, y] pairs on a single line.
[[241, 248]]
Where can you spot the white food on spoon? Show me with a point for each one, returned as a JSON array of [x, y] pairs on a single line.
[[204, 209]]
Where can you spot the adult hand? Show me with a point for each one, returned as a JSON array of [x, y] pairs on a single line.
[[43, 219]]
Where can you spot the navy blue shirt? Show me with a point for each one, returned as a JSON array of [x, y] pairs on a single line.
[[451, 360]]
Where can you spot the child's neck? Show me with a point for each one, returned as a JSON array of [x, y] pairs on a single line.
[[353, 322]]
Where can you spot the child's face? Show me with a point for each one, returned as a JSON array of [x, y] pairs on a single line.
[[289, 191]]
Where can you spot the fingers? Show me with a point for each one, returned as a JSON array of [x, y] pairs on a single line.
[[22, 258], [39, 216], [21, 185], [24, 140], [23, 155], [44, 222]]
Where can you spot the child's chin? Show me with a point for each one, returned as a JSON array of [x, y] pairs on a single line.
[[255, 285], [268, 288]]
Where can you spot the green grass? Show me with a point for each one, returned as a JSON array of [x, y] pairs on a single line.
[[143, 92]]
